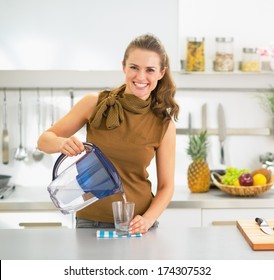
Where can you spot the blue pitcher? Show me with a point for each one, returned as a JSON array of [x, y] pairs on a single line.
[[83, 182]]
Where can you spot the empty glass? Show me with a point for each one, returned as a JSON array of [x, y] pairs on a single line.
[[123, 214]]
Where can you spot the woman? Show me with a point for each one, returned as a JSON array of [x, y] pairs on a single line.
[[130, 124]]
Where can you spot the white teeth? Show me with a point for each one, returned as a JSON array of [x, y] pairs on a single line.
[[140, 85]]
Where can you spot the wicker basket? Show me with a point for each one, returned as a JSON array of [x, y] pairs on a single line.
[[240, 190]]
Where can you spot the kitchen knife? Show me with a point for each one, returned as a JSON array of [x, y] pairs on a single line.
[[264, 226], [204, 117], [222, 131]]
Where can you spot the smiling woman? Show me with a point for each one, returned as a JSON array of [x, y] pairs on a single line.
[[131, 125]]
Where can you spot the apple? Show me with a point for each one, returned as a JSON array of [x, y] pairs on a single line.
[[246, 179]]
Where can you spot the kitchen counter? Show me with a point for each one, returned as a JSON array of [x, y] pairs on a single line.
[[27, 199], [37, 199], [212, 243], [216, 198]]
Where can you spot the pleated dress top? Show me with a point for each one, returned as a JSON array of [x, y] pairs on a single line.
[[126, 130]]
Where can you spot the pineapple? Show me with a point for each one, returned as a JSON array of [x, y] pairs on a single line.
[[198, 173]]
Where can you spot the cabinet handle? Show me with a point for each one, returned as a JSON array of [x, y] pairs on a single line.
[[26, 225], [223, 223]]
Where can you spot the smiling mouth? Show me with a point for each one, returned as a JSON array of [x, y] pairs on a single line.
[[140, 85]]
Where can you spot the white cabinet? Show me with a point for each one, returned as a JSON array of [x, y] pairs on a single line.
[[219, 217], [197, 217], [178, 218], [18, 219]]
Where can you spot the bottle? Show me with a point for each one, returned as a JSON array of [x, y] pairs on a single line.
[[195, 60], [250, 60], [224, 58]]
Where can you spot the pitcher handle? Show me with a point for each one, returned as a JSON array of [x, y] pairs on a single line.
[[62, 157]]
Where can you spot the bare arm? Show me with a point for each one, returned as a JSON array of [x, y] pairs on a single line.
[[165, 162], [60, 137]]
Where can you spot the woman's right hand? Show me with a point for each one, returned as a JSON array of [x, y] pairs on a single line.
[[71, 146]]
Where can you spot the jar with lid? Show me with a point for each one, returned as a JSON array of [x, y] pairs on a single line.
[[250, 60], [224, 58], [195, 59]]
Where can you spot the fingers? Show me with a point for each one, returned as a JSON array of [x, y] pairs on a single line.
[[139, 225], [71, 146]]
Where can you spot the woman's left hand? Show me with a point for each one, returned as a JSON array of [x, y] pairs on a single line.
[[139, 224]]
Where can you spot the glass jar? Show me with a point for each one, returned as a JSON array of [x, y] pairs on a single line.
[[224, 58], [195, 59], [251, 60]]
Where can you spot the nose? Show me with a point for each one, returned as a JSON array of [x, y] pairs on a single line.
[[141, 75]]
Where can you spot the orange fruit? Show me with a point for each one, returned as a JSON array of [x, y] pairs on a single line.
[[259, 179], [237, 183]]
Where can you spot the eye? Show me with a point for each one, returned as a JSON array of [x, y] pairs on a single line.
[[133, 67], [151, 70]]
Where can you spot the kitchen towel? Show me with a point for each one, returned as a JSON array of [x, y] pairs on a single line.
[[113, 234]]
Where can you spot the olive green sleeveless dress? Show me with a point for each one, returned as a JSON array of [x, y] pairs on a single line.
[[128, 133]]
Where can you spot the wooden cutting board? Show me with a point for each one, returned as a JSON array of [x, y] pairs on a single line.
[[258, 240]]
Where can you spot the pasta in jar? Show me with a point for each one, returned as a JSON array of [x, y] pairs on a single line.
[[195, 60]]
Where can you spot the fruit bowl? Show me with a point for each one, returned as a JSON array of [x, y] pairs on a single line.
[[240, 190]]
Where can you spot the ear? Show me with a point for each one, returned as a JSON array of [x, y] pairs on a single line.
[[123, 67], [162, 73]]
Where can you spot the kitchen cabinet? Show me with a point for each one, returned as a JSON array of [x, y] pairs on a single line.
[[178, 218], [204, 217], [175, 218], [216, 208], [225, 217], [186, 209], [31, 207], [21, 220]]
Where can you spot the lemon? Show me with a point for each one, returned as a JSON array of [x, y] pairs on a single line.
[[259, 179]]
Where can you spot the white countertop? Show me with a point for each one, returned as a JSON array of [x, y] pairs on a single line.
[[216, 198], [37, 199], [211, 243]]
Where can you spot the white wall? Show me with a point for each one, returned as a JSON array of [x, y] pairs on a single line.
[[69, 34], [81, 35], [92, 34], [250, 23], [242, 110], [89, 34]]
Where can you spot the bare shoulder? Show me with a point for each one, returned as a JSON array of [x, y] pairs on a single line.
[[171, 127], [170, 134], [86, 105], [90, 98]]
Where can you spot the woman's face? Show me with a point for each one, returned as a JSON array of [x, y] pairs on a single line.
[[142, 72]]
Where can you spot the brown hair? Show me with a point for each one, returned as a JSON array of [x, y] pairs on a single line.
[[163, 103]]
